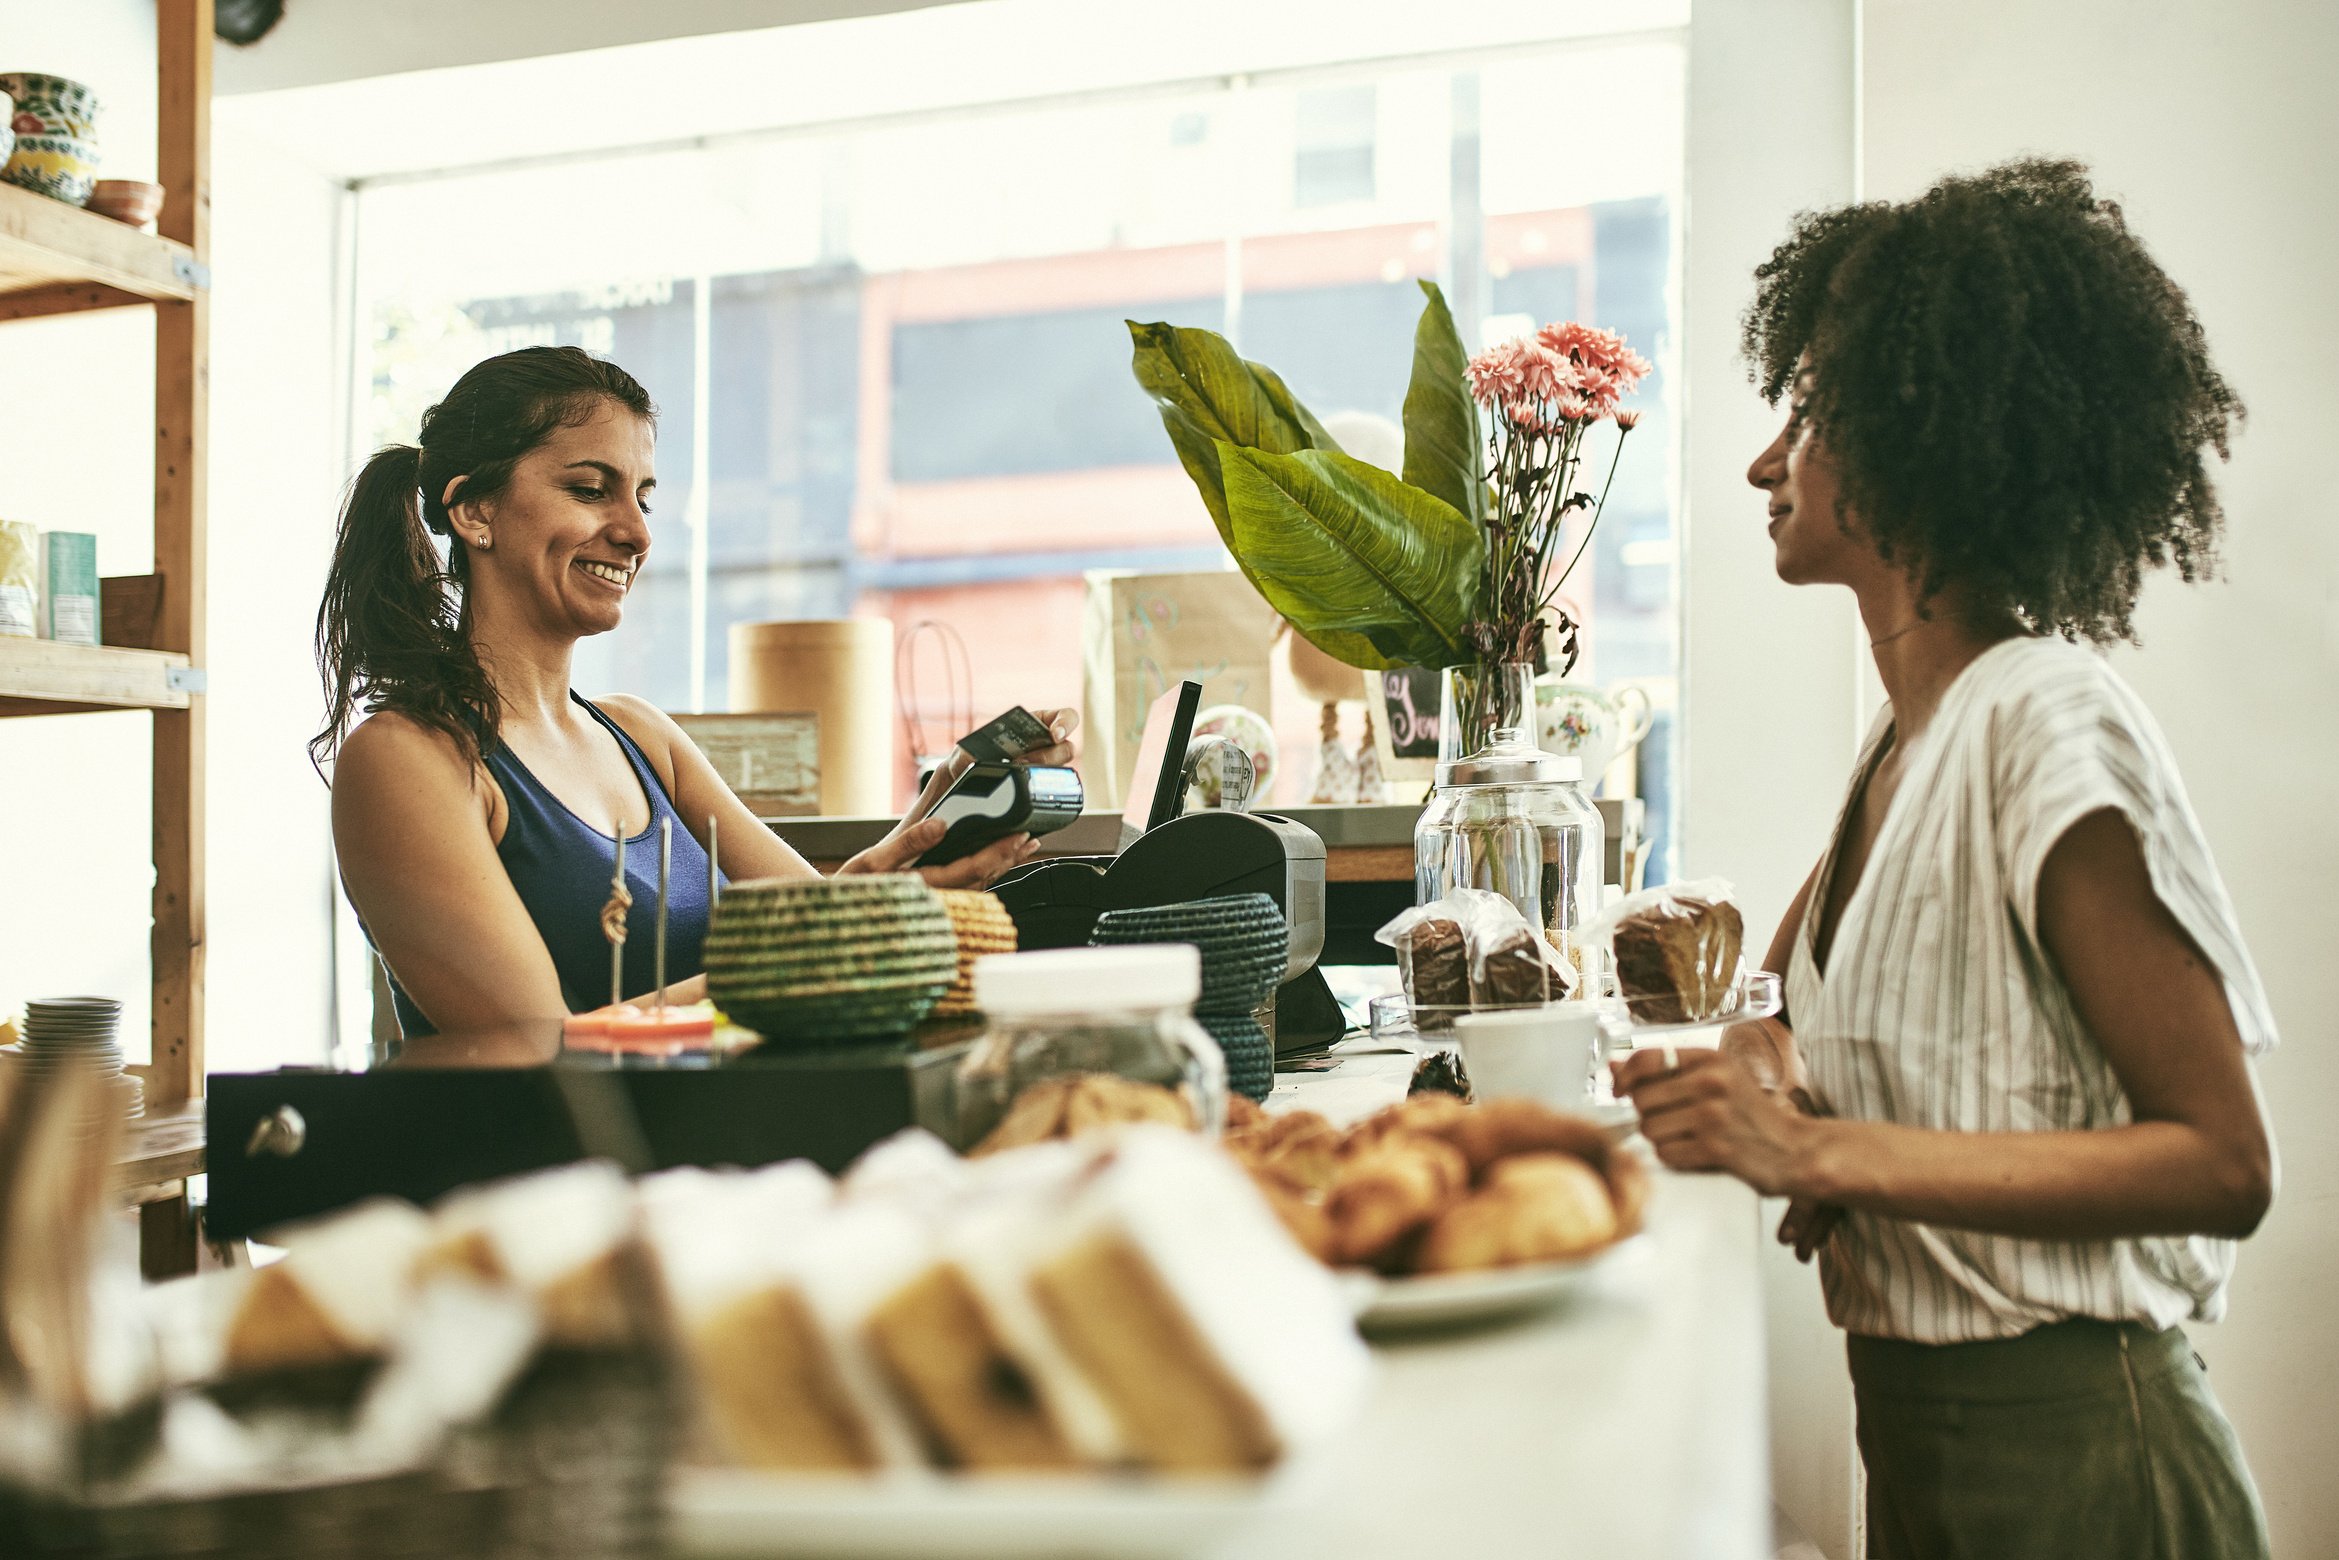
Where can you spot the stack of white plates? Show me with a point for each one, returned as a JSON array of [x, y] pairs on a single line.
[[63, 1032]]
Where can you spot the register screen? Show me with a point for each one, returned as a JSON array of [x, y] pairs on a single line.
[[1161, 756]]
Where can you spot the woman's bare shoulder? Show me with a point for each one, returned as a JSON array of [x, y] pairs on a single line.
[[642, 720], [652, 729], [390, 752]]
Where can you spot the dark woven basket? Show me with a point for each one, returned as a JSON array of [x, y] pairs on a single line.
[[572, 1467]]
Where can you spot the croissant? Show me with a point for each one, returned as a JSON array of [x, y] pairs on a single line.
[[1306, 1220], [1419, 1113], [1498, 1129], [1533, 1208], [1493, 1133], [1385, 1195], [1306, 1151]]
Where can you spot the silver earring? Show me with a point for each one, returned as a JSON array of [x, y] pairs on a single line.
[[482, 544]]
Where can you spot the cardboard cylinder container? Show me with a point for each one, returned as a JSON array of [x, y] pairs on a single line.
[[841, 670]]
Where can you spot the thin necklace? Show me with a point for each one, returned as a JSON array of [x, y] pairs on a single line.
[[1896, 633]]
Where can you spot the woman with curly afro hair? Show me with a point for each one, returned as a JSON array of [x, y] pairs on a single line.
[[2010, 1098]]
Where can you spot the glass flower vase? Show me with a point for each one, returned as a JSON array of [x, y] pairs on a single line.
[[1484, 704]]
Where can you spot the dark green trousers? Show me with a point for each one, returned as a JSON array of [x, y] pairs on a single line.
[[2081, 1439]]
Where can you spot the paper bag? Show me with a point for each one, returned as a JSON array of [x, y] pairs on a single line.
[[1146, 633]]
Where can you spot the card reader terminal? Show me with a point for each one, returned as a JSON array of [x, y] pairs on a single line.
[[992, 800]]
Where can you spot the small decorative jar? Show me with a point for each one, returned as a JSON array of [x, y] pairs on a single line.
[[1127, 1012]]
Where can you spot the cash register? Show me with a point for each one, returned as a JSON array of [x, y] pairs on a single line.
[[1172, 855]]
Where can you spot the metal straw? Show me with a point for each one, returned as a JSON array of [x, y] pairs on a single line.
[[658, 947], [714, 873]]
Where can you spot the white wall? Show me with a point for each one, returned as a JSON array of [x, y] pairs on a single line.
[[76, 453], [1770, 725], [278, 394], [2214, 123]]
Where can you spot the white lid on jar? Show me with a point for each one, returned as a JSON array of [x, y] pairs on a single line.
[[1089, 980]]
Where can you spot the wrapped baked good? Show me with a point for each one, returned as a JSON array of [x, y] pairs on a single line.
[[1472, 948], [1435, 966], [1515, 968], [1176, 1290], [1679, 951]]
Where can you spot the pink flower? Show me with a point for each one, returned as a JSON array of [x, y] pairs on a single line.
[[1498, 374], [1596, 349], [1628, 420], [1565, 374], [1548, 374]]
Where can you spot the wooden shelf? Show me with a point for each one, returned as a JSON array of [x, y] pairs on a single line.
[[58, 259], [163, 1147], [42, 677]]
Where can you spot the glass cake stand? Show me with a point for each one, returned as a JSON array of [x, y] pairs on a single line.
[[1756, 996]]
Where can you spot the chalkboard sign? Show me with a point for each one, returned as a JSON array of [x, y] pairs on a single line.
[[1405, 719]]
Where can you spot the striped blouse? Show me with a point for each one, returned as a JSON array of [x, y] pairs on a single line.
[[1940, 1010]]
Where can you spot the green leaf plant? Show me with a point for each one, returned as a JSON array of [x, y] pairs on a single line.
[[1373, 569], [1340, 547]]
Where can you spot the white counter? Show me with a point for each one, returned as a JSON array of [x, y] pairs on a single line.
[[1625, 1425]]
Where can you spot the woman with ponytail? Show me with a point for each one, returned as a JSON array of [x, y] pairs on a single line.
[[477, 802]]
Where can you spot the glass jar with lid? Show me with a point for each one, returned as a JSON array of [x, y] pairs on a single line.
[[1127, 1012], [1512, 818]]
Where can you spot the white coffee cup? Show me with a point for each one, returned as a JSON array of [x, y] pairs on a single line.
[[1547, 1054]]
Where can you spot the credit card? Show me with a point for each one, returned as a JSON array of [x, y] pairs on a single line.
[[1010, 736]]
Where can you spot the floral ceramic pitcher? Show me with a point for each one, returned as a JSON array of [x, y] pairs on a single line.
[[1575, 719]]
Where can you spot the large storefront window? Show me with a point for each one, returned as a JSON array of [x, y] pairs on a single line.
[[890, 356]]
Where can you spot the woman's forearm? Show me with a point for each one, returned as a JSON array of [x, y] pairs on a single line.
[[2151, 1178]]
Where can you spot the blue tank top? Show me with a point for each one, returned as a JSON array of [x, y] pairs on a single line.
[[562, 868]]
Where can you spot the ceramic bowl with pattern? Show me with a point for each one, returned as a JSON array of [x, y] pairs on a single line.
[[59, 166], [50, 105]]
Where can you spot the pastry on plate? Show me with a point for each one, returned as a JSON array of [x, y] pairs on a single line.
[[1219, 1344], [1388, 1192], [1300, 1211], [336, 1295], [786, 1368], [1299, 1146], [1424, 1112], [1538, 1207], [965, 1342], [565, 1238]]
